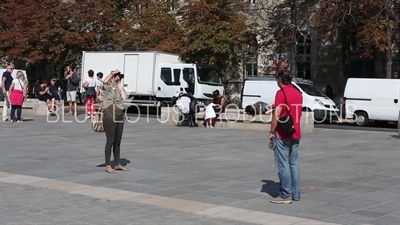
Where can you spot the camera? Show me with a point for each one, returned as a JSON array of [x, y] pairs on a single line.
[[120, 75]]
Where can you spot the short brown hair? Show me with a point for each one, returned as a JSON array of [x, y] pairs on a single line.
[[209, 101], [91, 73], [285, 77]]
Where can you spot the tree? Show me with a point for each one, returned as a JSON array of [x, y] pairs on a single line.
[[281, 25], [209, 28], [147, 25], [52, 30], [373, 22], [378, 28], [337, 20]]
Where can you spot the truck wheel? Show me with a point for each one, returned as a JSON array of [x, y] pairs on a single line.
[[361, 119]]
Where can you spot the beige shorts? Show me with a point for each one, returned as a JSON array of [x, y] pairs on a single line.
[[71, 96]]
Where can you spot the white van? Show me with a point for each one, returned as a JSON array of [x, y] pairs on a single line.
[[13, 74], [368, 99], [264, 89]]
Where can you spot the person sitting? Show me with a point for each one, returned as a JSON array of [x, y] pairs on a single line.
[[54, 89], [43, 93], [259, 108], [219, 107]]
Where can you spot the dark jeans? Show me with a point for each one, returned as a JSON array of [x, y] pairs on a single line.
[[113, 132], [19, 112]]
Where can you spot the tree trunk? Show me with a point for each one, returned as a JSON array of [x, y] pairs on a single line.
[[389, 56], [346, 54], [293, 45]]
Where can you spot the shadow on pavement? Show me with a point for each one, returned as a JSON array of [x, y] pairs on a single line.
[[123, 162], [395, 136], [270, 187]]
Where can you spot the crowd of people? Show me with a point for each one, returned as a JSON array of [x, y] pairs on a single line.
[[284, 135]]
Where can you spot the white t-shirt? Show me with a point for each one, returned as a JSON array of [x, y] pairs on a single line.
[[17, 84], [91, 82], [99, 83]]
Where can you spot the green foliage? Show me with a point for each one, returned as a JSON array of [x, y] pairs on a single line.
[[373, 21], [147, 25], [209, 28]]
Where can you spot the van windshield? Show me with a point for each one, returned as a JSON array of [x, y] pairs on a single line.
[[209, 76], [310, 90]]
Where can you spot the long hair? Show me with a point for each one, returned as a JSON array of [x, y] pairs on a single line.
[[20, 76]]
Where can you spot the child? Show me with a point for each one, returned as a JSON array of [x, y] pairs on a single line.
[[210, 113]]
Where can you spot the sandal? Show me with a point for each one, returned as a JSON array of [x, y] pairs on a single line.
[[121, 168], [110, 170]]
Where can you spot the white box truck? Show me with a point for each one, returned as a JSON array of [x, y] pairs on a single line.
[[265, 88], [153, 78], [368, 99]]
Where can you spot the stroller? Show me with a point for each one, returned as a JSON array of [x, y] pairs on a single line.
[[187, 105]]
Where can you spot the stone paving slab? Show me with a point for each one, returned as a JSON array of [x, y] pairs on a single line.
[[29, 205], [348, 177], [232, 214]]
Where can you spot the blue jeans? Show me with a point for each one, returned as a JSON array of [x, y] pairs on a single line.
[[287, 164]]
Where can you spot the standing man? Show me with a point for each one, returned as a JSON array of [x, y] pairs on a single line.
[[6, 81], [288, 101], [72, 85]]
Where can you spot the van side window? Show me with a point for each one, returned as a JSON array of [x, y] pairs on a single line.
[[177, 76], [166, 76]]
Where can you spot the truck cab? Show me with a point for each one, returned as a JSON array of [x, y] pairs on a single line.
[[198, 79]]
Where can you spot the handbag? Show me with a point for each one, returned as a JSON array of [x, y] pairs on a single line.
[[286, 122], [97, 123]]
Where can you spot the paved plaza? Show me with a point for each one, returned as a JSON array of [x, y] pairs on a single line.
[[53, 173]]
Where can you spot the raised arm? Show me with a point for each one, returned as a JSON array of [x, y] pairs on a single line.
[[110, 76]]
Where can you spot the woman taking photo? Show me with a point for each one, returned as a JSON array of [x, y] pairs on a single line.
[[113, 118]]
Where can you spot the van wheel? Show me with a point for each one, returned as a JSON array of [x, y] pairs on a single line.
[[361, 119]]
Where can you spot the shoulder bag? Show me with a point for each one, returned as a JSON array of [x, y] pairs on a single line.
[[286, 122]]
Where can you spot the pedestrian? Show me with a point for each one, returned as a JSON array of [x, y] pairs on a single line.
[[90, 86], [113, 118], [72, 85], [36, 86], [6, 81], [18, 93], [285, 135], [99, 81], [210, 113], [329, 91], [219, 107]]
